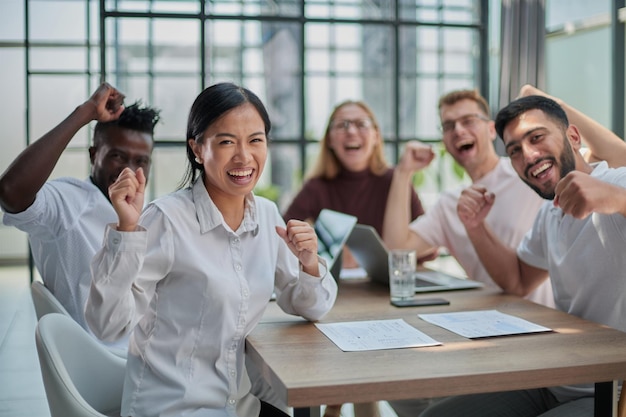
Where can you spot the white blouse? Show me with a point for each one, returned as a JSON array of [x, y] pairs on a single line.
[[191, 289]]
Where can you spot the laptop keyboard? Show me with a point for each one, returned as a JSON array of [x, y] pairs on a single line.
[[423, 283]]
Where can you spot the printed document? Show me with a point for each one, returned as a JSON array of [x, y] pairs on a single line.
[[485, 323], [357, 336]]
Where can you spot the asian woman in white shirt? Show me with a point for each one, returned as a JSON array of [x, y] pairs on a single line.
[[191, 275]]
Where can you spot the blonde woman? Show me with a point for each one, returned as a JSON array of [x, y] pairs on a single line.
[[352, 176]]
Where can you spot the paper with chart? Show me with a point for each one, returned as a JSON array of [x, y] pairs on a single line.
[[484, 323], [357, 336]]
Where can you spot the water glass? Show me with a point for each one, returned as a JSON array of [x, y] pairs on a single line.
[[402, 274]]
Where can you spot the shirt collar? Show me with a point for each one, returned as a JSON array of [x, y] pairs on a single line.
[[599, 168], [210, 217], [352, 175]]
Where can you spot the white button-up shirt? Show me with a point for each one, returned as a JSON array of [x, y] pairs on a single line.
[[193, 289], [65, 225]]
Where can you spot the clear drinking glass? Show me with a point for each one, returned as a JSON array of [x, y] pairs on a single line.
[[402, 274]]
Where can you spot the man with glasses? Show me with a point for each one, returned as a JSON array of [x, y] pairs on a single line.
[[468, 135]]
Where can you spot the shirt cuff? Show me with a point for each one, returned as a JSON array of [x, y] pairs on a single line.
[[323, 267], [117, 241]]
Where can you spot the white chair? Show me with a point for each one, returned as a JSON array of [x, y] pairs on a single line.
[[45, 302], [81, 377]]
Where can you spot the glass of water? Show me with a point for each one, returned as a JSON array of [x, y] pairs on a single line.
[[402, 274]]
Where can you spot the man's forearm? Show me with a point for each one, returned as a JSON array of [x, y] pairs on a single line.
[[31, 169], [398, 211], [500, 261], [603, 144]]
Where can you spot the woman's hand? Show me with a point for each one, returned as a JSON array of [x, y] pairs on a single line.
[[302, 241]]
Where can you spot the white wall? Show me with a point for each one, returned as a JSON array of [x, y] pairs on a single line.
[[578, 70], [578, 55]]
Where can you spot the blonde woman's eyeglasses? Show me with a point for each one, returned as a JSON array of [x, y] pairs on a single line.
[[469, 121], [359, 124]]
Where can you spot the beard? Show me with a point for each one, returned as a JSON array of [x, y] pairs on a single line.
[[567, 163]]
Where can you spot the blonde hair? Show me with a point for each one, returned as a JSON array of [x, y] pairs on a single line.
[[458, 95], [328, 165]]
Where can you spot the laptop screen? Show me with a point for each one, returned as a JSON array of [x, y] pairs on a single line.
[[370, 252], [333, 229]]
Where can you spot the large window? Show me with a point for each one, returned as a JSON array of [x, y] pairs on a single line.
[[301, 57]]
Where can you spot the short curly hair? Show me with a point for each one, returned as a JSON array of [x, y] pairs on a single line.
[[137, 116]]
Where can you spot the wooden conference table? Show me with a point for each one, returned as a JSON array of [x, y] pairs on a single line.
[[307, 370]]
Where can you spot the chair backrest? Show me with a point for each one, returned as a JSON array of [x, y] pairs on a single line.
[[45, 302], [81, 377]]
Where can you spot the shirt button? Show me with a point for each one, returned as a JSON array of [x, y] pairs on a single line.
[[232, 373], [238, 267], [231, 402]]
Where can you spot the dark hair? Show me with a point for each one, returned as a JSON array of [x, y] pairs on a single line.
[[517, 107], [210, 105], [136, 117]]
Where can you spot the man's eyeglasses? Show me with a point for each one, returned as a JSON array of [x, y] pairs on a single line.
[[469, 121], [360, 124]]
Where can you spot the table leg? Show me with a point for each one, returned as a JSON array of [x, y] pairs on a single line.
[[307, 412], [605, 403]]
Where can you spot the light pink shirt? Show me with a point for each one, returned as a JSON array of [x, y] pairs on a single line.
[[511, 216]]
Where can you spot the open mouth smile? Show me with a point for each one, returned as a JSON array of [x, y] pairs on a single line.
[[464, 145], [241, 175], [352, 147], [540, 169]]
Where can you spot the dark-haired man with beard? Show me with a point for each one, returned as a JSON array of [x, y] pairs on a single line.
[[577, 239]]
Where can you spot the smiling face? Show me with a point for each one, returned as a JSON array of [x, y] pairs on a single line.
[[117, 149], [353, 137], [541, 151], [233, 151], [468, 136]]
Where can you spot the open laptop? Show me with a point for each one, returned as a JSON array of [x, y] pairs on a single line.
[[333, 229], [370, 252]]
